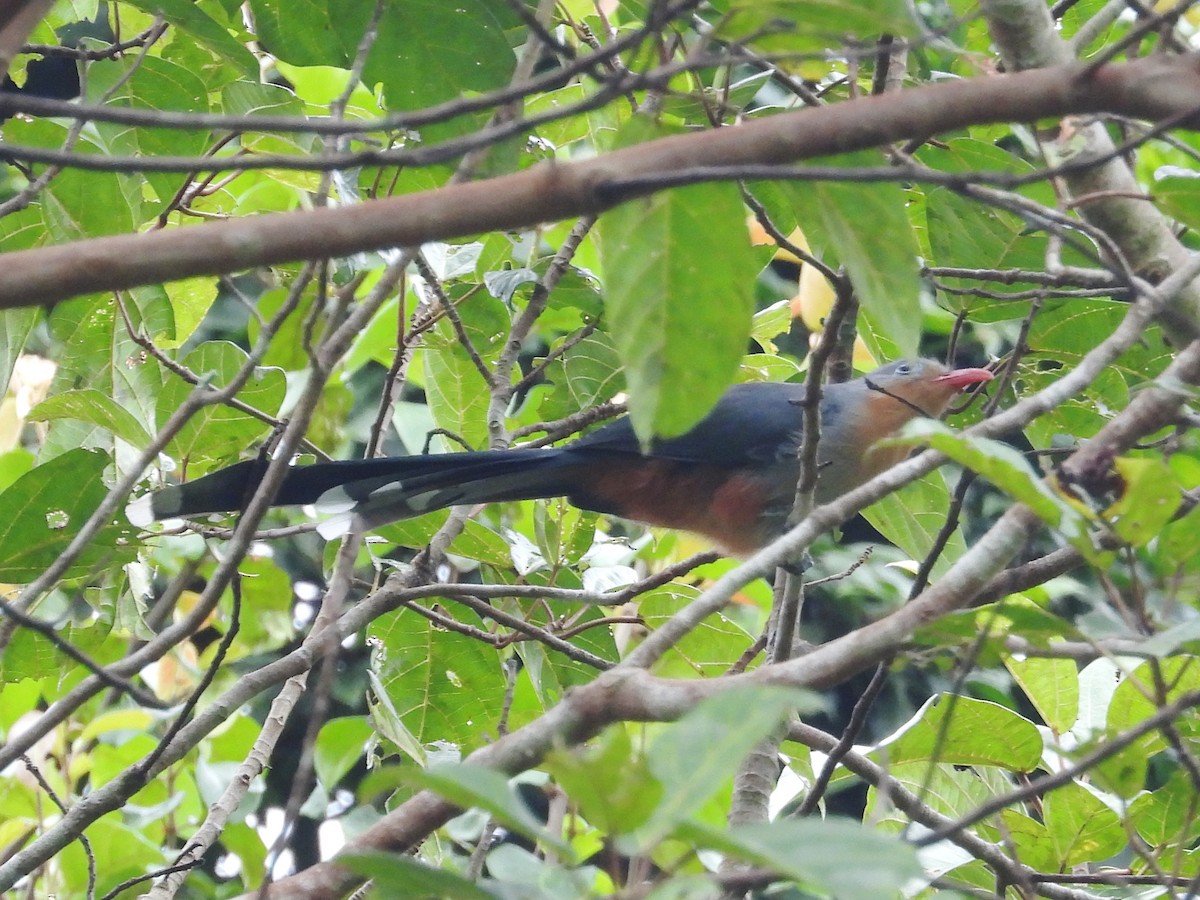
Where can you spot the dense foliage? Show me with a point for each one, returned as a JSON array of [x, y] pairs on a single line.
[[584, 208]]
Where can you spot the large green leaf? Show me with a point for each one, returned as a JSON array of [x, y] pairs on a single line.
[[200, 27], [966, 234], [157, 84], [679, 279], [609, 780], [866, 228], [1135, 700], [696, 757], [1081, 826], [97, 353], [1030, 840], [797, 26], [312, 34], [218, 432], [397, 875], [963, 731], [1052, 686], [826, 853], [1059, 337], [43, 511], [585, 375], [457, 395], [96, 408], [912, 517], [462, 49], [1008, 470], [475, 786], [706, 650], [443, 685], [953, 791], [1150, 494], [1167, 814], [79, 204]]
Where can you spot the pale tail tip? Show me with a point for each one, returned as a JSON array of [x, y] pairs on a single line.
[[335, 527], [140, 512], [154, 507]]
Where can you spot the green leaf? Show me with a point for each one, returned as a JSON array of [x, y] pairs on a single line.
[[798, 26], [1007, 469], [1081, 827], [194, 22], [191, 299], [696, 756], [563, 532], [912, 518], [866, 228], [311, 34], [95, 408], [80, 204], [1061, 334], [151, 83], [470, 786], [125, 721], [770, 323], [22, 229], [98, 353], [43, 511], [129, 845], [587, 374], [1052, 686], [217, 433], [444, 685], [1150, 494], [965, 234], [679, 279], [388, 722], [953, 791], [1176, 544], [462, 49], [963, 731], [13, 465], [1136, 698], [340, 745], [477, 541], [1179, 198], [397, 875], [611, 783], [828, 854], [1167, 815], [456, 392], [15, 325], [377, 341], [1031, 841], [19, 698], [417, 532], [548, 674], [707, 650]]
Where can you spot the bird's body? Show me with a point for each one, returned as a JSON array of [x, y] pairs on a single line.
[[731, 478]]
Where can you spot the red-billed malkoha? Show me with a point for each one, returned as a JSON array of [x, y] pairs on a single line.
[[731, 478]]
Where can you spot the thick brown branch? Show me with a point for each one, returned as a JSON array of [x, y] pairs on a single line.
[[1154, 88]]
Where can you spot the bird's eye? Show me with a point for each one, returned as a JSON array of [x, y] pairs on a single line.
[[904, 369]]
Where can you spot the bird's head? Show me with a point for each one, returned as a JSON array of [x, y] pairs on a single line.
[[922, 386]]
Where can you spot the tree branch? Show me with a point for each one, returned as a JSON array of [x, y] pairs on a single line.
[[1156, 87]]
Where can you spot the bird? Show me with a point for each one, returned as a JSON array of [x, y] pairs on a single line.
[[731, 478]]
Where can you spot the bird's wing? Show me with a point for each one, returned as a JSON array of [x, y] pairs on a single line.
[[751, 425]]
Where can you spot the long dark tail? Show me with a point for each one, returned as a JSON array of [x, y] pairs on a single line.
[[378, 490]]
